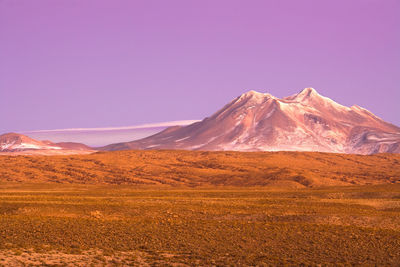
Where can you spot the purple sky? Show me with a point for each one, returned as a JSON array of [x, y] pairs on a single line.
[[73, 63]]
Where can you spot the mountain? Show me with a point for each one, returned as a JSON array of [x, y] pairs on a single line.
[[96, 137], [257, 121], [18, 143], [73, 146]]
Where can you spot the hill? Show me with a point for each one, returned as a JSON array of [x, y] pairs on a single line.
[[197, 168], [23, 145]]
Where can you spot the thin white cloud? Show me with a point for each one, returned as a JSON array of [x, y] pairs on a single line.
[[142, 126]]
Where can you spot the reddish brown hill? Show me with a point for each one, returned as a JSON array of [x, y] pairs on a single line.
[[196, 168]]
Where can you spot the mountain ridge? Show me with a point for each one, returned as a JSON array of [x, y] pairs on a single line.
[[254, 121]]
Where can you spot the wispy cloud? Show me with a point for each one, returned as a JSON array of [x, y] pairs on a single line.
[[142, 126]]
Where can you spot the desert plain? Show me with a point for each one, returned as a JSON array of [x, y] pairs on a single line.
[[190, 208]]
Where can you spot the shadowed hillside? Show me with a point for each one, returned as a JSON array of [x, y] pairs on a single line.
[[196, 168]]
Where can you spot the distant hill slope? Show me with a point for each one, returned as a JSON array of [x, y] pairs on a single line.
[[256, 121], [196, 168], [96, 137], [21, 144]]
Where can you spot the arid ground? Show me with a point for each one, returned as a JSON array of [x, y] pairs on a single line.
[[200, 208], [199, 169]]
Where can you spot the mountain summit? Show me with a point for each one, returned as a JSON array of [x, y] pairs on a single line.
[[257, 121]]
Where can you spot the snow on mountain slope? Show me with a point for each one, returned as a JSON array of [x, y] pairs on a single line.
[[13, 142], [17, 142], [257, 121]]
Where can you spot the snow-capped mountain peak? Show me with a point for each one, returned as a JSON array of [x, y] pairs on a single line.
[[306, 93], [254, 121], [254, 96]]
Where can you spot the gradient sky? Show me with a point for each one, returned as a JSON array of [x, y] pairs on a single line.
[[96, 63]]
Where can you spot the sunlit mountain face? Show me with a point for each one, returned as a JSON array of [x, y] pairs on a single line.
[[306, 121]]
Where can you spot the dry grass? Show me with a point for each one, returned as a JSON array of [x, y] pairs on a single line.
[[110, 224], [196, 168], [200, 208]]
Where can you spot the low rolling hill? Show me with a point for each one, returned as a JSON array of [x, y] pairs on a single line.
[[199, 168]]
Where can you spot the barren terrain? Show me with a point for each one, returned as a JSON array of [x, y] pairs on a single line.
[[181, 208], [196, 168], [92, 224]]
